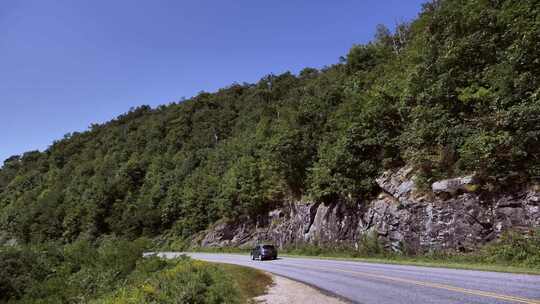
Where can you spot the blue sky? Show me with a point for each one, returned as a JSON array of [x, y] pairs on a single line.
[[65, 64]]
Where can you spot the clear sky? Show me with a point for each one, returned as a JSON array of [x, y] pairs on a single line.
[[65, 64]]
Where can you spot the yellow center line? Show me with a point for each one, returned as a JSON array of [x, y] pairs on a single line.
[[429, 284]]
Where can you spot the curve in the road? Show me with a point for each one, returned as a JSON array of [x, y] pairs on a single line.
[[383, 283]]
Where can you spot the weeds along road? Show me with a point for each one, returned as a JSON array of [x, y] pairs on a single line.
[[367, 283]]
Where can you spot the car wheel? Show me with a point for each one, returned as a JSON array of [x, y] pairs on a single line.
[[253, 257]]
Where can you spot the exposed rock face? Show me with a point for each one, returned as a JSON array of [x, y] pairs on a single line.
[[452, 217], [454, 185]]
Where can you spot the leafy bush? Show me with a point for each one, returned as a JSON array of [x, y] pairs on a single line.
[[114, 271], [188, 282], [20, 270], [72, 273], [515, 249]]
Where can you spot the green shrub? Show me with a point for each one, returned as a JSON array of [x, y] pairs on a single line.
[[189, 281], [18, 271], [515, 249], [369, 245], [77, 272], [113, 271]]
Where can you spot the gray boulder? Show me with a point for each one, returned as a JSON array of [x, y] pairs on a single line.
[[454, 185]]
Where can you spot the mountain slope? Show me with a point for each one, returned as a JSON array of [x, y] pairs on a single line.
[[454, 92]]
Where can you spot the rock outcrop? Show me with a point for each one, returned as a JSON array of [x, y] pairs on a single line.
[[454, 185], [452, 216]]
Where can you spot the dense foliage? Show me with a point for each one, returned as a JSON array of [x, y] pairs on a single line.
[[78, 272], [455, 91], [194, 282], [114, 271]]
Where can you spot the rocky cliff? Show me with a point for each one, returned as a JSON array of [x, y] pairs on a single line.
[[454, 215]]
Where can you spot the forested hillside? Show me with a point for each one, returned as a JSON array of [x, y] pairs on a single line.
[[453, 92]]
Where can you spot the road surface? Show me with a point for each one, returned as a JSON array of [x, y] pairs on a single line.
[[383, 283]]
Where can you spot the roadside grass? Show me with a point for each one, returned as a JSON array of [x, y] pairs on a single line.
[[513, 253], [250, 282], [191, 281], [424, 261]]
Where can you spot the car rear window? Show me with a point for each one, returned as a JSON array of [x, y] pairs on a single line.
[[268, 247]]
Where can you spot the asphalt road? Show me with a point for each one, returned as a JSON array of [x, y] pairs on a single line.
[[382, 283]]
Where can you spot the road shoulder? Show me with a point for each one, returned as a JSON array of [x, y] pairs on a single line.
[[286, 291]]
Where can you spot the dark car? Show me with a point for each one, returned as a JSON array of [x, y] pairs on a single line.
[[263, 252]]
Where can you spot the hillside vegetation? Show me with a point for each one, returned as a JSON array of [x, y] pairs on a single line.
[[453, 92], [114, 271]]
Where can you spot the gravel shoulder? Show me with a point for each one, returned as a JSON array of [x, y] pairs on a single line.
[[287, 291]]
